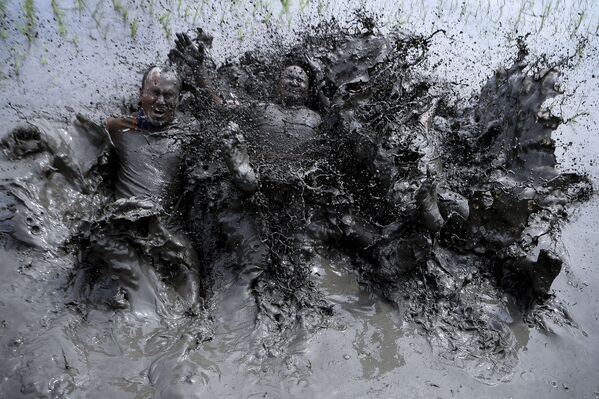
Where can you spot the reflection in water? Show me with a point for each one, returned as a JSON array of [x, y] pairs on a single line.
[[375, 324]]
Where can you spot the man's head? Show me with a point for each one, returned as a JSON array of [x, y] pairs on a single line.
[[159, 94], [293, 86]]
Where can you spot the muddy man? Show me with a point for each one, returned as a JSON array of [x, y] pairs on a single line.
[[283, 130], [139, 229]]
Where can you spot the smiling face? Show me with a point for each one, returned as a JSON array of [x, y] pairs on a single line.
[[160, 96], [293, 86]]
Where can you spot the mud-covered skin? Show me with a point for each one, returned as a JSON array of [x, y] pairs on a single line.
[[285, 130], [293, 86], [237, 159], [149, 162], [159, 96]]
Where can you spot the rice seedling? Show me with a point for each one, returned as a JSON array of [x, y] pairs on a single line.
[[267, 13], [133, 26], [439, 7], [17, 59], [498, 20], [320, 8], [30, 20], [121, 10], [302, 6], [285, 4], [165, 21], [195, 14], [519, 16], [545, 14], [3, 31], [58, 14], [75, 42], [577, 22], [463, 10], [152, 7], [97, 16], [79, 5]]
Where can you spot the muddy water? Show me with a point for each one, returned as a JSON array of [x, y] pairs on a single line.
[[368, 351]]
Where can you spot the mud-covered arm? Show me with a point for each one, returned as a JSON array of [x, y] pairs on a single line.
[[110, 164], [320, 83], [22, 141], [237, 159], [189, 58]]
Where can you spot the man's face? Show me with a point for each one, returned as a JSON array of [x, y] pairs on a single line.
[[293, 85], [160, 97]]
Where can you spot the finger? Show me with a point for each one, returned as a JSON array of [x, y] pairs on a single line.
[[199, 33], [187, 39], [179, 39], [181, 46], [175, 55]]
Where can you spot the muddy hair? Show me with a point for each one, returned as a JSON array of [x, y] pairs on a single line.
[[163, 68]]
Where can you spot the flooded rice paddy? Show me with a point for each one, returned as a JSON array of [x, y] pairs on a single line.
[[62, 58]]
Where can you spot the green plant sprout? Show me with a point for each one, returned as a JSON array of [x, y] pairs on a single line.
[[577, 23], [285, 4], [121, 10], [30, 19], [164, 20], [302, 6], [545, 14], [3, 32], [58, 14], [79, 5], [133, 26]]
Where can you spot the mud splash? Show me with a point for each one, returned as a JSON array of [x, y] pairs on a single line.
[[450, 211]]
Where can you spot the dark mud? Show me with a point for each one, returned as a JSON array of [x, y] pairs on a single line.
[[448, 210]]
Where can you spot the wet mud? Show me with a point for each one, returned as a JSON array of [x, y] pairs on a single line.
[[449, 211]]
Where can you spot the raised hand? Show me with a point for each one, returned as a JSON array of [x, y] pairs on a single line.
[[187, 52], [237, 159], [315, 68]]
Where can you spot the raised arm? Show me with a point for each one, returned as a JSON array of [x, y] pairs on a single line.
[[189, 56]]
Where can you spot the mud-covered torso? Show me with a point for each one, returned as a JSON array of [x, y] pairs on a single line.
[[149, 160], [285, 133]]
